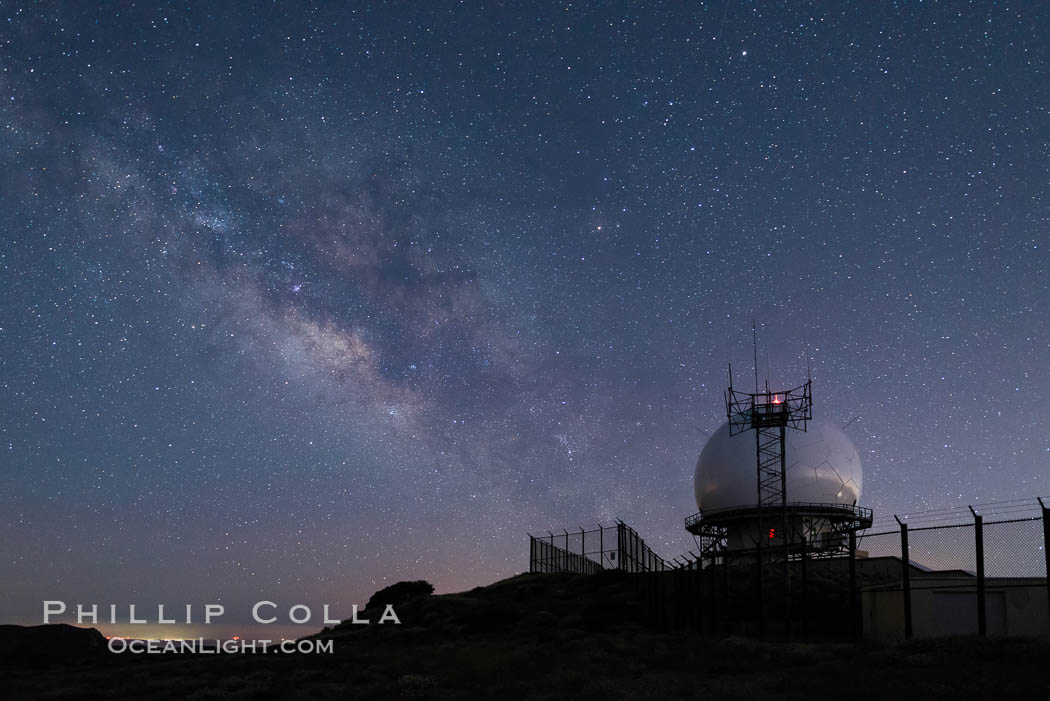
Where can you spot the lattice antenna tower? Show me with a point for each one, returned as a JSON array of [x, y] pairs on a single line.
[[770, 414]]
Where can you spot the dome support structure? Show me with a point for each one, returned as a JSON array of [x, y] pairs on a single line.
[[769, 503]]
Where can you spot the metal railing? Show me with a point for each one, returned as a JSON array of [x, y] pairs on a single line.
[[800, 508]]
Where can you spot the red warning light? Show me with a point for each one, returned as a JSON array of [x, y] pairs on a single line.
[[776, 399], [772, 533]]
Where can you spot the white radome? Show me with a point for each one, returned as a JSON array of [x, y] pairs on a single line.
[[821, 466]]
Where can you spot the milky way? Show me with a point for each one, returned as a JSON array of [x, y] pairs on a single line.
[[298, 303]]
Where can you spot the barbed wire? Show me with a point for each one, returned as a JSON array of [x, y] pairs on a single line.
[[958, 515]]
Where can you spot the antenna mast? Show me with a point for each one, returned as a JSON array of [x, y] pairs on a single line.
[[754, 346]]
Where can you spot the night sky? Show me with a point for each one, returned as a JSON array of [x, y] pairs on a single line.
[[302, 301]]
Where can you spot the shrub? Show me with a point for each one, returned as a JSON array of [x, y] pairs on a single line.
[[399, 593]]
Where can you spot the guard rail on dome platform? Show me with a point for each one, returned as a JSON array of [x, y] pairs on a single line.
[[840, 512]]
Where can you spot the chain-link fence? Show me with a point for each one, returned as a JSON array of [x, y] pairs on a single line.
[[583, 551], [1014, 548], [944, 548], [885, 544], [957, 570]]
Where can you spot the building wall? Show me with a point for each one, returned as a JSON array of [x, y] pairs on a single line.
[[948, 606]]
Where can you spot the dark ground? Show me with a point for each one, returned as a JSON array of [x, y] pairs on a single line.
[[530, 638]]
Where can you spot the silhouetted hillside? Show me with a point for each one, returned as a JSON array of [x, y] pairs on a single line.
[[525, 604], [546, 637], [49, 644]]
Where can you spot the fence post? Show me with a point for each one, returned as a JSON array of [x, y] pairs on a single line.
[[805, 590], [698, 593], [1046, 547], [681, 588], [978, 528], [712, 594], [760, 600], [619, 545], [727, 612], [854, 610], [601, 545], [905, 576]]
